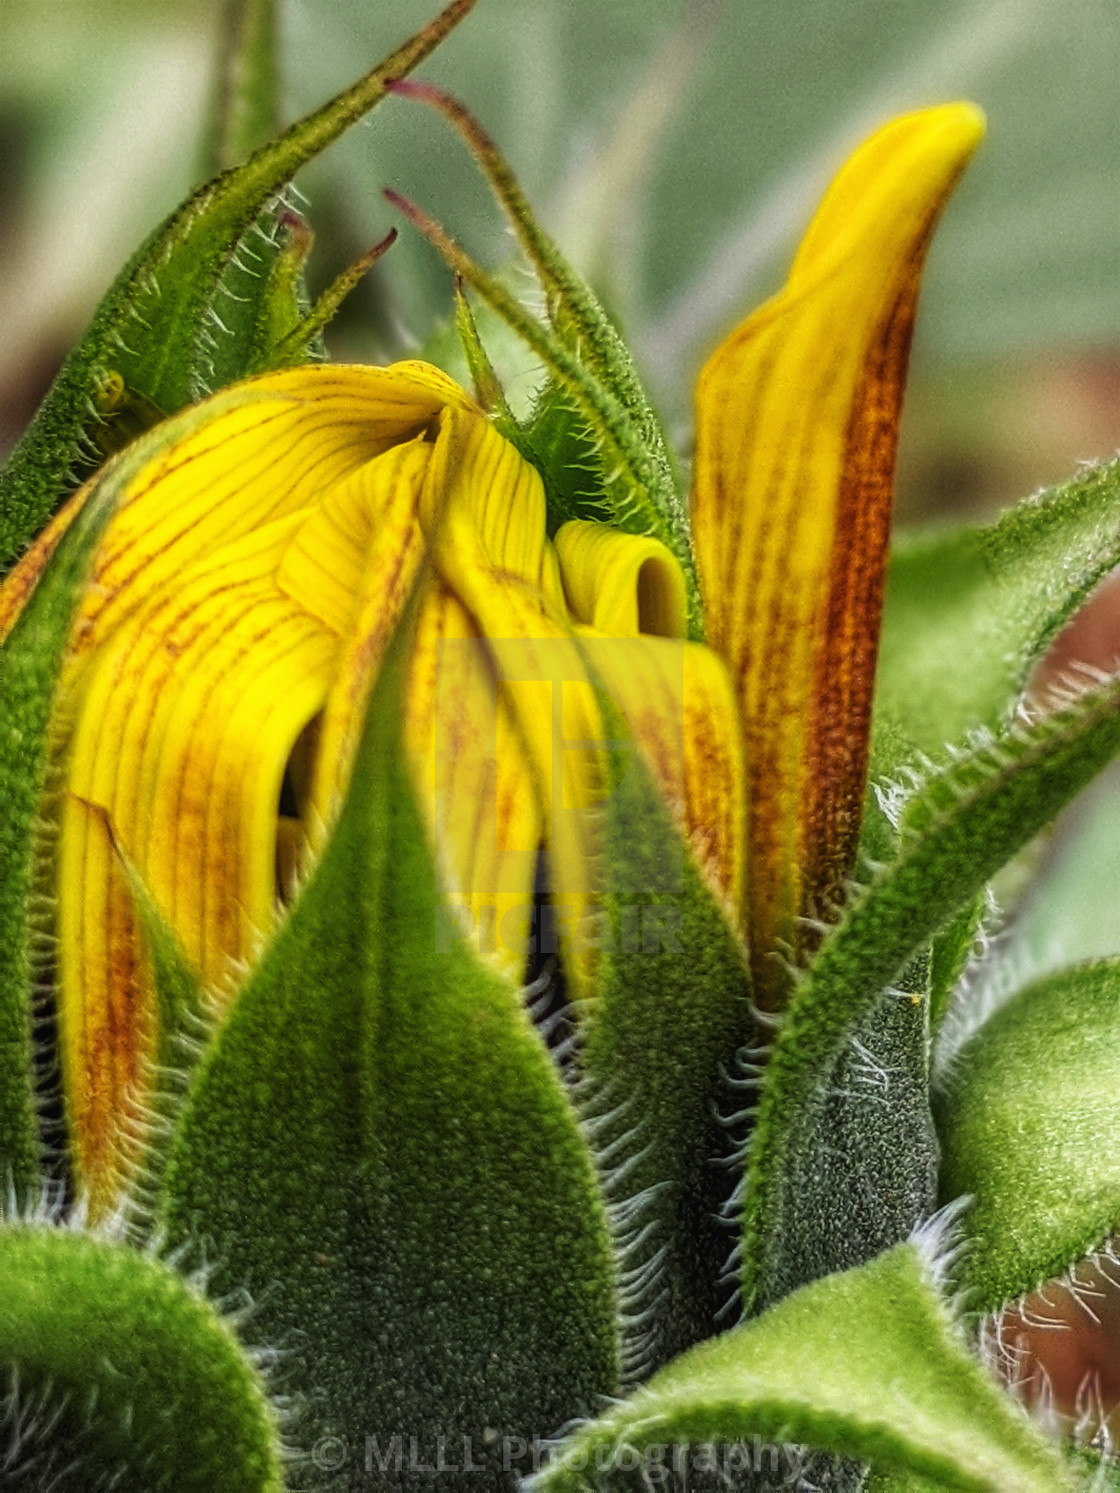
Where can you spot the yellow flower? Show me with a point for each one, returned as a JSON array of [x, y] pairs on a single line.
[[255, 567]]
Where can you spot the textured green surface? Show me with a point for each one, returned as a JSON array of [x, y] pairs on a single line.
[[117, 1374], [957, 831], [670, 1012], [865, 1173], [1028, 1114], [29, 663], [867, 1364], [30, 660], [969, 611], [405, 1195]]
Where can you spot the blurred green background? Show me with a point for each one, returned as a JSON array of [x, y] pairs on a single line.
[[676, 150]]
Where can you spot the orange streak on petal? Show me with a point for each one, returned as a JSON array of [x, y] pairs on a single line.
[[797, 417], [475, 784], [381, 503]]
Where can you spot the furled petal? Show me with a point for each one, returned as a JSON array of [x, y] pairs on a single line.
[[352, 564], [476, 783], [308, 429], [485, 513], [227, 587], [629, 594], [183, 724], [797, 420], [621, 584]]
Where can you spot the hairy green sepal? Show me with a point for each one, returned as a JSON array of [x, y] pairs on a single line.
[[958, 830], [867, 1364], [379, 1149], [669, 1016], [30, 661], [1023, 1113], [118, 1374]]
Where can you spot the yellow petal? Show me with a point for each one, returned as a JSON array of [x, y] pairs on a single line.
[[302, 431], [621, 584], [475, 783], [182, 726], [797, 421], [353, 565], [205, 647], [485, 509]]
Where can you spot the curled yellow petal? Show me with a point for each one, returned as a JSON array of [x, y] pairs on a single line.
[[182, 727], [354, 565], [228, 584], [797, 422], [475, 783], [485, 512], [621, 584], [286, 440]]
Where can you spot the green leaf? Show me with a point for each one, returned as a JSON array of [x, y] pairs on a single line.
[[1068, 914], [968, 612], [951, 953], [669, 1015], [379, 1148], [1027, 1113], [154, 328], [892, 752], [868, 1364], [902, 1482], [118, 1374], [957, 831]]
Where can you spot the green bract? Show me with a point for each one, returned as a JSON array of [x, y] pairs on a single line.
[[470, 1014]]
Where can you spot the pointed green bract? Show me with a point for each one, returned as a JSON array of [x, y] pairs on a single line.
[[117, 1374], [670, 1013], [296, 335], [868, 1364], [645, 497], [156, 326], [378, 1147], [957, 831], [1026, 1114], [264, 298], [968, 612], [484, 377]]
